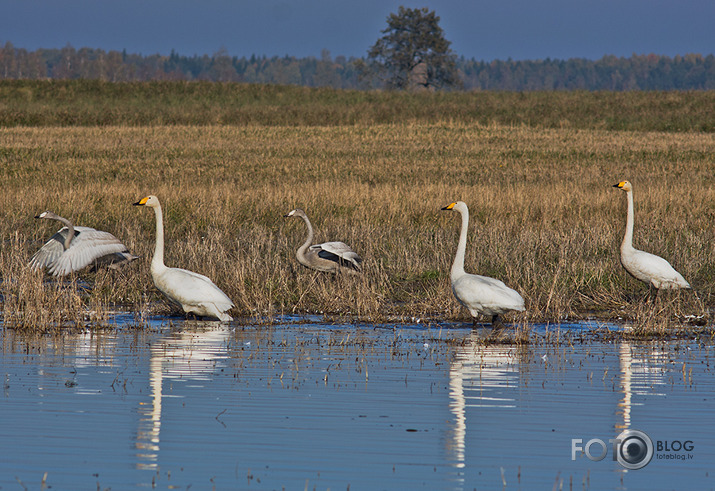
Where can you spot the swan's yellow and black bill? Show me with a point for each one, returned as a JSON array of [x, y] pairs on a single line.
[[620, 184], [142, 201], [449, 206]]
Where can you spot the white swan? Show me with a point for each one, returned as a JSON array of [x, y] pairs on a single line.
[[74, 248], [191, 291], [649, 268], [328, 256], [480, 294]]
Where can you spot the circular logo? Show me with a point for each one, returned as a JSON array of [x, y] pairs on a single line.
[[635, 449]]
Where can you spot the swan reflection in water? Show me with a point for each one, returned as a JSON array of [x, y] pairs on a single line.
[[641, 373], [186, 355], [481, 377], [490, 377]]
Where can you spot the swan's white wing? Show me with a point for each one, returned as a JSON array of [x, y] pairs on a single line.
[[52, 250], [486, 295], [335, 251], [338, 248], [87, 246], [653, 270], [185, 287]]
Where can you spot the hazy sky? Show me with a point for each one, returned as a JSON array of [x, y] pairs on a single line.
[[481, 29]]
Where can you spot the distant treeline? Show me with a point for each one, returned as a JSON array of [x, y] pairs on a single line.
[[639, 72]]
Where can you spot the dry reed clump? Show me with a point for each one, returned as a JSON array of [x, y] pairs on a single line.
[[30, 302], [544, 217], [664, 314]]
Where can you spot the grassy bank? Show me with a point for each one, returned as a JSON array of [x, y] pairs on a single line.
[[545, 218], [96, 103]]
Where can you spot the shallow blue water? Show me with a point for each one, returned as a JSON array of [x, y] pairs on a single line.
[[305, 405]]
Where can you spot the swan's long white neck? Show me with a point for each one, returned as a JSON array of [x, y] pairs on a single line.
[[309, 239], [157, 262], [627, 243], [458, 265], [70, 232]]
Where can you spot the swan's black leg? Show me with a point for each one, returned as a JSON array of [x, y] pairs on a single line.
[[497, 323]]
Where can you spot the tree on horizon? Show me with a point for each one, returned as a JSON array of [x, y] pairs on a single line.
[[413, 53]]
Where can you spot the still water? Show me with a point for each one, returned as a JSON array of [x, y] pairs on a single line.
[[305, 405]]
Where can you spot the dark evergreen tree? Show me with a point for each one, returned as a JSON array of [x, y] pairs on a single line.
[[413, 53]]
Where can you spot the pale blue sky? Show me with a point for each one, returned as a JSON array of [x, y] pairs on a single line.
[[481, 29]]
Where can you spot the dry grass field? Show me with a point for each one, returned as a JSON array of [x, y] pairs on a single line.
[[544, 216]]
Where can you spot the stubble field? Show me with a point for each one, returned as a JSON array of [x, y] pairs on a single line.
[[544, 215]]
